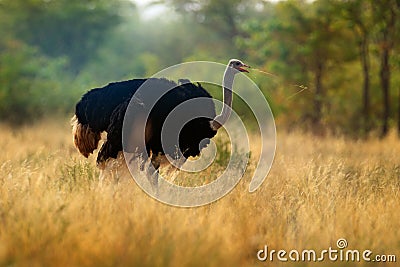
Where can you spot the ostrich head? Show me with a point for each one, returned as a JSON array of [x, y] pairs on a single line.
[[239, 65]]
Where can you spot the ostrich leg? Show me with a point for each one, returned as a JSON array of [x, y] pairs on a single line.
[[152, 174], [177, 167]]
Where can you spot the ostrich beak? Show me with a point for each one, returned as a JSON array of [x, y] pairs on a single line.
[[242, 68]]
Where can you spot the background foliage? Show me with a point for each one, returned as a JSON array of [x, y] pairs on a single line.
[[345, 52]]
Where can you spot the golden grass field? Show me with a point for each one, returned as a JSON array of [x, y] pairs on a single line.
[[53, 212]]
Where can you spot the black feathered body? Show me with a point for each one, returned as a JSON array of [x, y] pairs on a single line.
[[96, 106], [104, 109]]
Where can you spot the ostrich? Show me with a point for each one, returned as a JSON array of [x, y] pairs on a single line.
[[103, 110]]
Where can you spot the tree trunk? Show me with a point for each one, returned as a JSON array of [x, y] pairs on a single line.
[[364, 55], [387, 45], [385, 84], [398, 115], [318, 98]]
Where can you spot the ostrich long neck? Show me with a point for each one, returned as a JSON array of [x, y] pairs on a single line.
[[227, 85]]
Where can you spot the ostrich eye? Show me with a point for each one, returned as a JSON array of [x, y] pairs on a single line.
[[237, 63]]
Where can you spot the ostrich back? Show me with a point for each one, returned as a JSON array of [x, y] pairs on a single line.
[[96, 106]]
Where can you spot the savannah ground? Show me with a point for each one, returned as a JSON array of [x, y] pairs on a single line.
[[53, 212]]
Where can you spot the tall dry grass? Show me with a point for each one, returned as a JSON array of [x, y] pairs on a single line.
[[54, 213]]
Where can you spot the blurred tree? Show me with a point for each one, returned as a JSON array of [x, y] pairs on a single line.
[[64, 28], [27, 87], [223, 16], [385, 16], [358, 13], [220, 17], [326, 43], [44, 42], [305, 40]]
